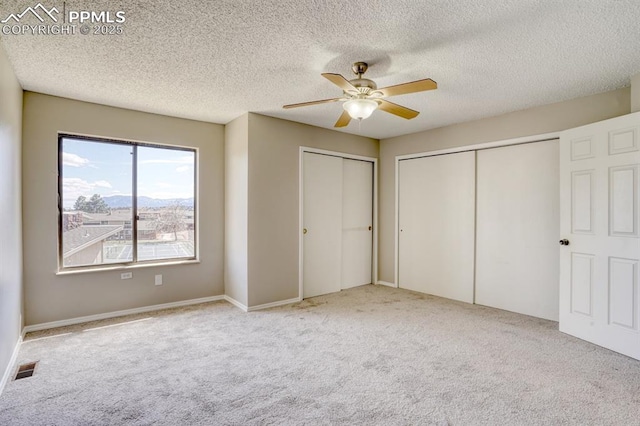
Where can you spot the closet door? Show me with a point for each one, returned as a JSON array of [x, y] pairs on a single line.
[[436, 221], [518, 210], [357, 222], [322, 223]]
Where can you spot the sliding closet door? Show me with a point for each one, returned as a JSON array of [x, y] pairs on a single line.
[[518, 221], [357, 221], [436, 221], [322, 223], [337, 223]]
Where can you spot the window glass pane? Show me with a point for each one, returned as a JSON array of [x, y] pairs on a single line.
[[96, 202], [166, 189]]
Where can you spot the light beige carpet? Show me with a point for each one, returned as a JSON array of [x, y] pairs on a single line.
[[369, 355]]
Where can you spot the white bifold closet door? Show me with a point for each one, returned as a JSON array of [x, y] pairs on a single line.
[[337, 223], [357, 219], [436, 198], [322, 208], [517, 264]]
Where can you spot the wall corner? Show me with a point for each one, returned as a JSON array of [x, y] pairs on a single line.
[[635, 93]]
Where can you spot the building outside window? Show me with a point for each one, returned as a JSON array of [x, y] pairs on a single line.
[[125, 202]]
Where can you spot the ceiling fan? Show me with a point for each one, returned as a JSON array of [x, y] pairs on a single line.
[[361, 96]]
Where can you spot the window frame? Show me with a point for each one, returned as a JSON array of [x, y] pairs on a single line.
[[135, 214]]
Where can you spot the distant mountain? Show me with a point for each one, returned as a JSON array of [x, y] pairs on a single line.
[[124, 201]]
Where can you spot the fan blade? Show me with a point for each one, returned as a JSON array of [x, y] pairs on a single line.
[[413, 87], [340, 81], [323, 101], [344, 119], [396, 109]]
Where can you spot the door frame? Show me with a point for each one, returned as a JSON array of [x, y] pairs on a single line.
[[374, 254], [476, 147]]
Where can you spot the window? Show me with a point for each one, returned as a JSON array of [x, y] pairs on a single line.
[[124, 202]]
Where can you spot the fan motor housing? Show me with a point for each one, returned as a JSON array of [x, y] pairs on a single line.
[[364, 85]]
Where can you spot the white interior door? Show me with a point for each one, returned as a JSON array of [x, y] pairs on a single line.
[[436, 219], [357, 222], [600, 211], [322, 224], [518, 221]]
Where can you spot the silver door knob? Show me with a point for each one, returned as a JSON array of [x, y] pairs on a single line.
[[564, 242]]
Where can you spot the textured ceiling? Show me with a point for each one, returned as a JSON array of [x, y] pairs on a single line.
[[215, 60]]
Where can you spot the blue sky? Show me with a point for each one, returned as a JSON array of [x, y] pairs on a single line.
[[104, 168]]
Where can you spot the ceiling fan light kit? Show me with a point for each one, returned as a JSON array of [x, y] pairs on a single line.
[[362, 97], [360, 109]]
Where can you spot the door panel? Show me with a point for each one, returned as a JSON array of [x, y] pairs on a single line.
[[517, 263], [599, 193], [581, 283], [582, 201], [436, 219], [623, 288], [322, 211], [357, 221], [623, 205]]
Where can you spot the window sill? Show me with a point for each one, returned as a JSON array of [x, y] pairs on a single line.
[[127, 267]]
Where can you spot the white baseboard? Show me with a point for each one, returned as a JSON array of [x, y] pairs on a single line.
[[388, 284], [274, 304], [10, 367], [235, 303], [246, 308], [80, 320], [107, 315]]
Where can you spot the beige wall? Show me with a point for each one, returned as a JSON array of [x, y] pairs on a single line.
[[635, 93], [10, 212], [539, 120], [51, 297], [274, 153], [236, 189]]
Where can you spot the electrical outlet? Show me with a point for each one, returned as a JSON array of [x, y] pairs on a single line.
[[159, 279], [126, 275]]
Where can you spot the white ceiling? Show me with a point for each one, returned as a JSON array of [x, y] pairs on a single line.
[[215, 60]]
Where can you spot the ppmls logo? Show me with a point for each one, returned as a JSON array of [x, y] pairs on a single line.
[[34, 11], [84, 22]]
